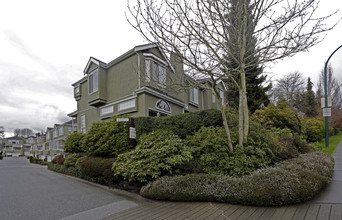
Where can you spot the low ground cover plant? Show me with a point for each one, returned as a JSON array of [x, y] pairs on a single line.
[[288, 182]]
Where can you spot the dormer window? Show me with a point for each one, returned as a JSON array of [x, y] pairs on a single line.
[[93, 81], [194, 95], [77, 89], [159, 73]]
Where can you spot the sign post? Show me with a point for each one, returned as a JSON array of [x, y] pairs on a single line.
[[326, 99], [132, 134]]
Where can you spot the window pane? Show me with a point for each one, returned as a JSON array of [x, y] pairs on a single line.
[[83, 124], [107, 110], [96, 81], [163, 105], [162, 75], [221, 95], [155, 72], [148, 70], [194, 95], [91, 88], [93, 81], [126, 104]]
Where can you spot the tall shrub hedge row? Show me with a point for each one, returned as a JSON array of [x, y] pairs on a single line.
[[181, 125]]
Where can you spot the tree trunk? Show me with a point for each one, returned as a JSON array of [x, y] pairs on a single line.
[[226, 128], [240, 118], [244, 106]]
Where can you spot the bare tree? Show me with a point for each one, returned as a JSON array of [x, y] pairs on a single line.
[[333, 87], [199, 32], [290, 88]]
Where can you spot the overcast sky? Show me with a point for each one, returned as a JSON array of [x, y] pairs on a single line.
[[45, 45]]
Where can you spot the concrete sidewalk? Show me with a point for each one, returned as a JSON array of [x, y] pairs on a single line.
[[327, 205]]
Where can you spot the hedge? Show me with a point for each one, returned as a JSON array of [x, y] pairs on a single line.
[[181, 125], [288, 182]]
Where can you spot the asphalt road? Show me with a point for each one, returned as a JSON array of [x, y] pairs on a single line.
[[29, 191]]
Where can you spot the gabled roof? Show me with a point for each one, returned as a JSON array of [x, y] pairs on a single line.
[[125, 55], [95, 61], [74, 121], [15, 138]]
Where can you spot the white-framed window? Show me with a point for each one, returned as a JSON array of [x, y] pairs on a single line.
[[159, 73], [77, 89], [61, 131], [221, 95], [83, 124], [107, 110], [194, 95], [163, 105], [126, 104], [48, 135], [55, 133], [213, 98], [148, 70], [93, 81]]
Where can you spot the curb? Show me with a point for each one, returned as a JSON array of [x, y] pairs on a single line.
[[128, 195]]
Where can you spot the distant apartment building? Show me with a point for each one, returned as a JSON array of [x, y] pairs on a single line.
[[141, 82], [13, 146]]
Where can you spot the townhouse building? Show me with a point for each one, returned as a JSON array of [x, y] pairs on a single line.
[[141, 82], [52, 143], [13, 146]]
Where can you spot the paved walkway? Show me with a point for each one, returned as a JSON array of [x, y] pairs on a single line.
[[327, 205]]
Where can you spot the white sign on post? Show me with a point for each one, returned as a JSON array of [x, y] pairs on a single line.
[[326, 112], [132, 133], [122, 119], [323, 102]]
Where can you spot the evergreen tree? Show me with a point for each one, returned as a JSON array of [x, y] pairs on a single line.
[[255, 80], [310, 101]]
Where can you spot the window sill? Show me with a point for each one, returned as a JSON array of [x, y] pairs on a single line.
[[194, 104]]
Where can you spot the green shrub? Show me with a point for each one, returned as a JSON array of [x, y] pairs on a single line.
[[210, 151], [96, 169], [73, 143], [36, 160], [279, 117], [63, 169], [71, 159], [181, 125], [159, 153], [1, 157], [314, 129], [289, 182], [106, 138]]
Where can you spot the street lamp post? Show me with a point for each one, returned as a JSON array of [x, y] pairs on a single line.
[[326, 98]]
